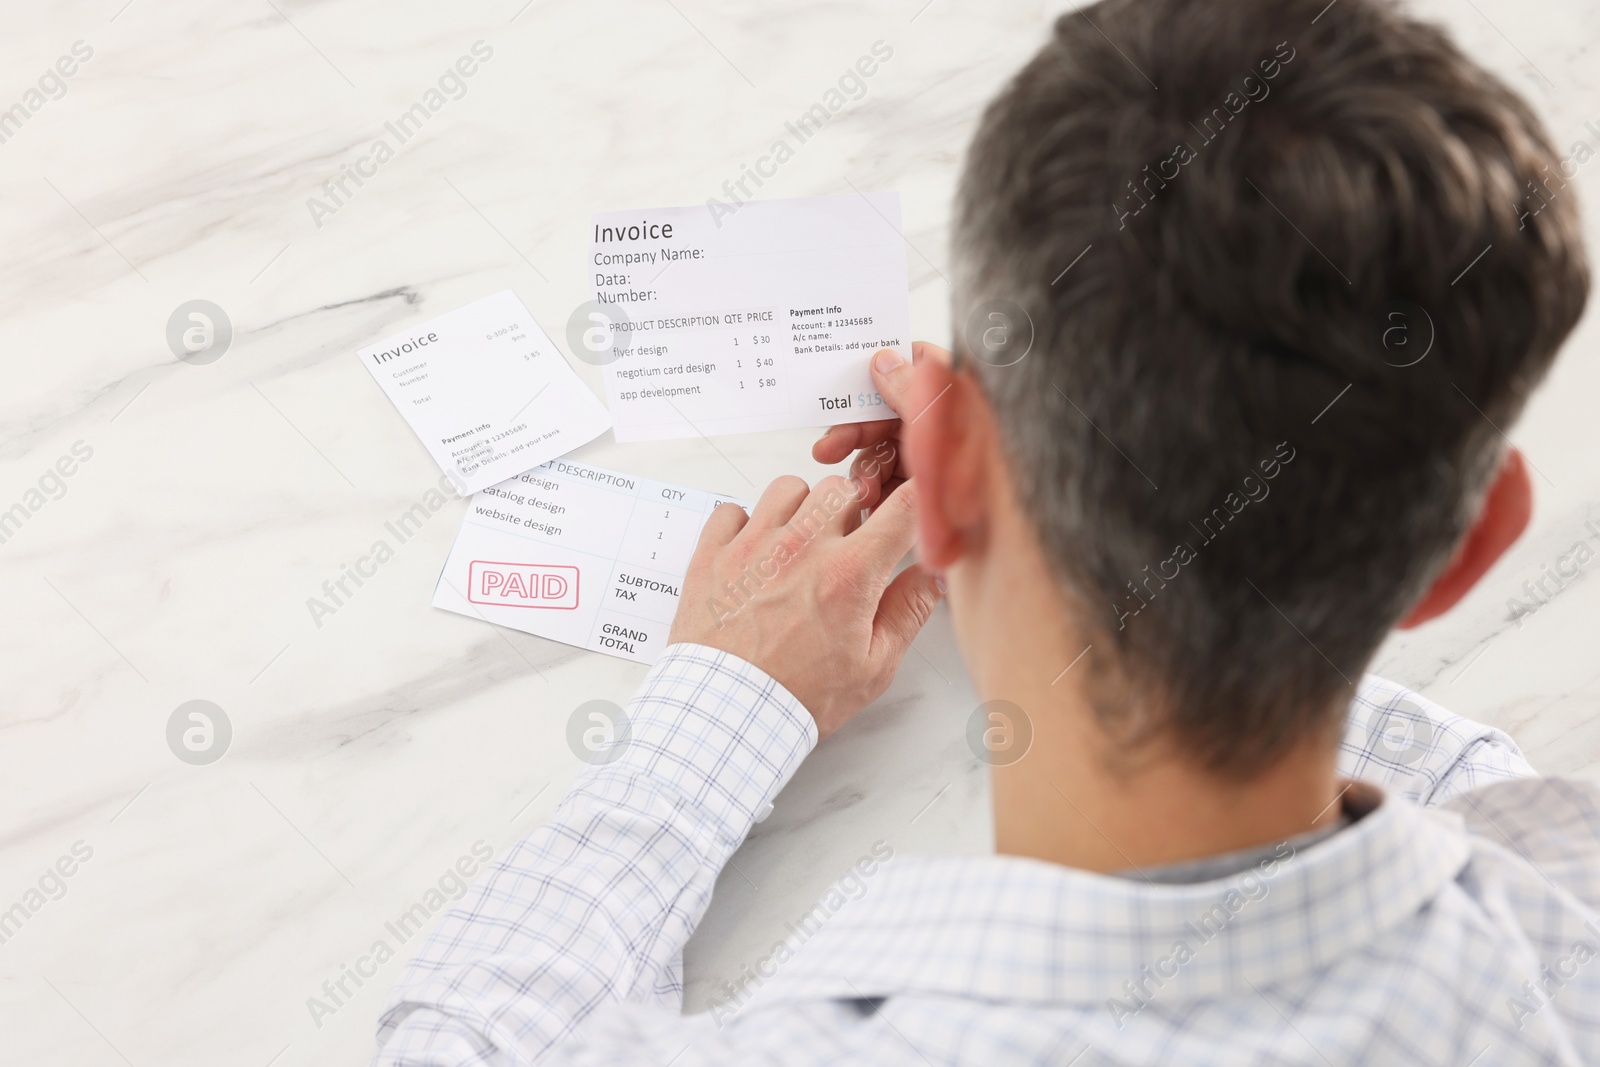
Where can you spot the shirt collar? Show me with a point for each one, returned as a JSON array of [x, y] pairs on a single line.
[[1022, 930]]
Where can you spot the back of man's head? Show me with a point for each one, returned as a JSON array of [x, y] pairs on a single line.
[[1291, 269]]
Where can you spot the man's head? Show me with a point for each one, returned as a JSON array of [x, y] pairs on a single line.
[[1283, 275]]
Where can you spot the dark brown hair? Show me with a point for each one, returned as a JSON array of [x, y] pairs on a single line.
[[1297, 243]]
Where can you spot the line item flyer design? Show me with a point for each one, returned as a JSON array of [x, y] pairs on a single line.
[[762, 320]]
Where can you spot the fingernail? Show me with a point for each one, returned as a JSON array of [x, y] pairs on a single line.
[[938, 580], [825, 435], [858, 486], [886, 360]]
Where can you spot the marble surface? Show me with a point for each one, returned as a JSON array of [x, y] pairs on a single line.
[[371, 752]]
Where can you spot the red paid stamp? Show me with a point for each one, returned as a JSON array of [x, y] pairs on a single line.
[[522, 585]]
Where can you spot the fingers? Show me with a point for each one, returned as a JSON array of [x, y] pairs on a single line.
[[777, 504], [879, 469], [720, 528], [889, 532], [726, 520], [839, 441], [892, 374], [834, 505], [906, 607], [888, 487]]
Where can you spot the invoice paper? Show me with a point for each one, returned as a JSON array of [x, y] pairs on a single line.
[[756, 316], [486, 390], [578, 554]]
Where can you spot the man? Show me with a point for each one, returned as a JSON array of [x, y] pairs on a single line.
[[1172, 534]]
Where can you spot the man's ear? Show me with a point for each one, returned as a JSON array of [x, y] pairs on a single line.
[[1501, 520], [952, 447]]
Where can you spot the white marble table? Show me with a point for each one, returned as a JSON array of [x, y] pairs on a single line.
[[370, 753]]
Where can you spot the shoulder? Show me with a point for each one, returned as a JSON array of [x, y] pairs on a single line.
[[1551, 826]]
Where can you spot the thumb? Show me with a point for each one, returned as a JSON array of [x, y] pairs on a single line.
[[891, 374], [906, 607]]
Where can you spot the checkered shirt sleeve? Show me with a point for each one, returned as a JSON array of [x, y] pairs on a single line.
[[1416, 749], [596, 906]]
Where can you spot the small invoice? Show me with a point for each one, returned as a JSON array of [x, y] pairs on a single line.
[[486, 391], [579, 554], [759, 316]]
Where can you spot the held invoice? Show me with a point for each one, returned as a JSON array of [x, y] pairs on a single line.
[[765, 318]]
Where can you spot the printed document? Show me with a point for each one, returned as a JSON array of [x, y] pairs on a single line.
[[579, 554], [759, 316], [486, 391]]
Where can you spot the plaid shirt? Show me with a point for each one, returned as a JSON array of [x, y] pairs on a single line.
[[1456, 922]]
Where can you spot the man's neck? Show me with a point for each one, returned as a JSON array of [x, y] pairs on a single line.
[[1065, 803], [1076, 798]]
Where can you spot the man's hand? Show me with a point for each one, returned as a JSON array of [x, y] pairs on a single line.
[[880, 460], [802, 588]]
